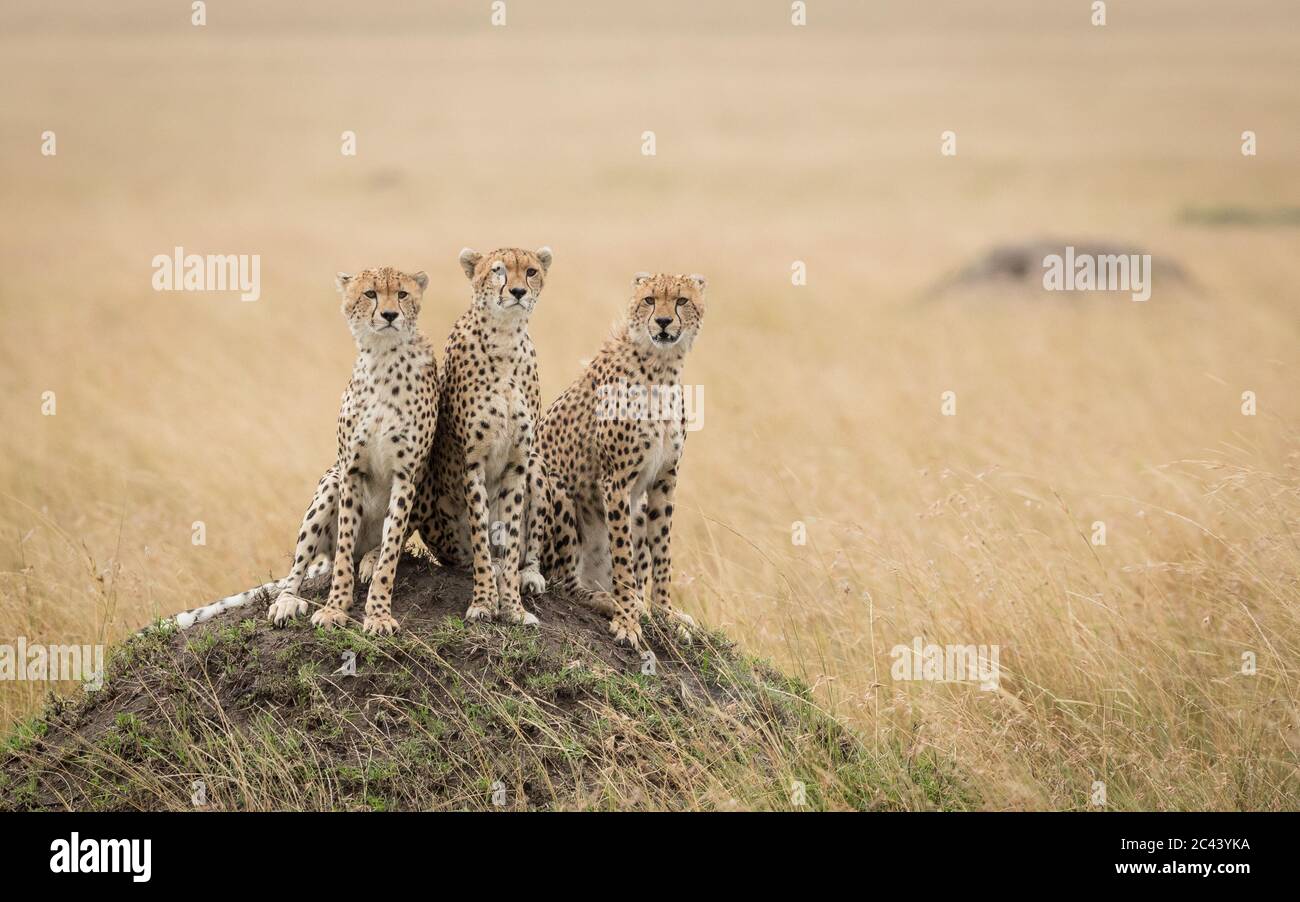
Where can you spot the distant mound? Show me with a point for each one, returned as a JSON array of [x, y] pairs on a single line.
[[1019, 266], [236, 715]]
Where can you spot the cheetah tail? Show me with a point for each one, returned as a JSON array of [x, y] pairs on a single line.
[[187, 619]]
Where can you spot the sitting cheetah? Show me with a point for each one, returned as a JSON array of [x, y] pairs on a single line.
[[606, 467], [385, 428], [475, 487]]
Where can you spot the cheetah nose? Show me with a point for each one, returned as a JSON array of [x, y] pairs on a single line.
[[389, 315], [519, 293], [664, 321]]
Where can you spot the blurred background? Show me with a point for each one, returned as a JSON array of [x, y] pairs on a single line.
[[774, 144]]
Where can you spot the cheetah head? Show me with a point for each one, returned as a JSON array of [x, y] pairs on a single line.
[[381, 304], [665, 310], [507, 282]]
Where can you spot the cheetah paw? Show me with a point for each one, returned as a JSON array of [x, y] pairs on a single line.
[[684, 626], [380, 623], [329, 617], [520, 617], [531, 582], [479, 611], [366, 569], [285, 608], [627, 631]]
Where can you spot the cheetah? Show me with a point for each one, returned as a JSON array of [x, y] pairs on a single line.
[[606, 465], [386, 426], [475, 489]]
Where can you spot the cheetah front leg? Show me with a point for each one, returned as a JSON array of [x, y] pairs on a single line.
[[511, 498], [379, 601], [537, 527], [484, 604], [658, 535], [315, 540], [641, 553], [628, 606], [335, 611]]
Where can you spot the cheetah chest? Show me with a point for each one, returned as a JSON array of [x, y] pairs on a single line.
[[664, 440], [508, 425], [376, 462]]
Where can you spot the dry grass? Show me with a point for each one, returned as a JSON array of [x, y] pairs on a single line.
[[450, 716], [1121, 662]]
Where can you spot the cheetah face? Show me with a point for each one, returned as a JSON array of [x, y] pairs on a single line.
[[666, 310], [381, 304], [507, 282]]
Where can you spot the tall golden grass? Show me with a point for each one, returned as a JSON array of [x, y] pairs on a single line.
[[1121, 663]]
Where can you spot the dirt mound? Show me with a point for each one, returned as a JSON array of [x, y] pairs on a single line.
[[1020, 265], [234, 714]]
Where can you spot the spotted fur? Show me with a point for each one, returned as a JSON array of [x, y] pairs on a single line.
[[386, 424], [385, 429], [472, 502], [604, 479]]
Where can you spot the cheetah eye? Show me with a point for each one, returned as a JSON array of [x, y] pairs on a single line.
[[531, 272], [649, 301], [372, 295], [401, 295], [681, 301]]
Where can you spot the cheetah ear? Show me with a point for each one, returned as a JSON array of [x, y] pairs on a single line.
[[422, 279], [469, 260], [640, 277], [698, 280], [544, 255], [341, 281]]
